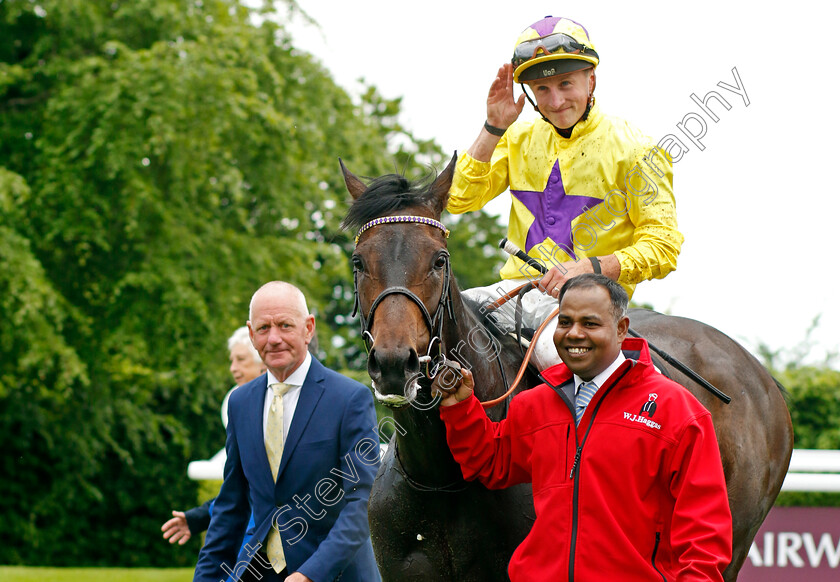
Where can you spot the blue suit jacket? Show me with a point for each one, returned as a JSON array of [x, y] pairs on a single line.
[[319, 502]]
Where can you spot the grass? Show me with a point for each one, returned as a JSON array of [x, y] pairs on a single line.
[[32, 574]]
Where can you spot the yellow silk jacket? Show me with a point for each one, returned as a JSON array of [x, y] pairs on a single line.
[[605, 190]]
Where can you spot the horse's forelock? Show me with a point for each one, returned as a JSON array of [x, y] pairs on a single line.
[[384, 195]]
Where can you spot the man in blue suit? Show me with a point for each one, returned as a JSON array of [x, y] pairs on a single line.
[[302, 446]]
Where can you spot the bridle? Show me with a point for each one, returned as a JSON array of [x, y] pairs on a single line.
[[434, 323]]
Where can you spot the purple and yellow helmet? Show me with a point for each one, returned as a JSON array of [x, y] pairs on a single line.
[[552, 46]]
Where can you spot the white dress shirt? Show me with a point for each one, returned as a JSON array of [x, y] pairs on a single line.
[[290, 398], [600, 378]]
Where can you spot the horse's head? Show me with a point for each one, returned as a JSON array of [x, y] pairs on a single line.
[[402, 276]]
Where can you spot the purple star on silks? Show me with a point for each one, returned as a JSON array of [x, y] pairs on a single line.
[[553, 212]]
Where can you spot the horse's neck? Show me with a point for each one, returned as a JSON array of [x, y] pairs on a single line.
[[472, 345], [421, 436], [460, 337], [422, 448]]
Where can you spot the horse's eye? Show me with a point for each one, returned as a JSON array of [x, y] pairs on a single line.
[[358, 265], [440, 262]]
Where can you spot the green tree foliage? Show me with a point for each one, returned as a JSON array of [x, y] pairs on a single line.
[[814, 402], [159, 160], [474, 247], [813, 391], [814, 405]]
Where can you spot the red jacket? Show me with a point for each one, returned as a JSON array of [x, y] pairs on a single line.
[[636, 492]]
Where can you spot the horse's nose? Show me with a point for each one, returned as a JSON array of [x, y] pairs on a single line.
[[374, 371], [393, 367]]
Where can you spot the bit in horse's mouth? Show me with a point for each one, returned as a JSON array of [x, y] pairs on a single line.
[[397, 400]]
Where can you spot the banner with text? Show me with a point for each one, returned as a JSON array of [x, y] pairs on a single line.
[[795, 544]]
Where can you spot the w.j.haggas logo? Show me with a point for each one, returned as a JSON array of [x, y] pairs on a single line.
[[649, 407]]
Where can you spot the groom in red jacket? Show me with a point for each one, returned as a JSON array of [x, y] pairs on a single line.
[[623, 490]]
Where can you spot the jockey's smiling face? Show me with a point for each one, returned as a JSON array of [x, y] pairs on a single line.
[[562, 98], [588, 337]]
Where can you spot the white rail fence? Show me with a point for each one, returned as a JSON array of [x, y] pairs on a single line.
[[212, 469], [810, 470], [813, 470]]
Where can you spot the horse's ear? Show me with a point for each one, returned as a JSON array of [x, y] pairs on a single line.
[[355, 186], [440, 187]]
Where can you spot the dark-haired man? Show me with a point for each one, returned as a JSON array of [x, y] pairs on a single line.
[[618, 494]]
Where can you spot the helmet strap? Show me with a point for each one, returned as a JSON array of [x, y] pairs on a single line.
[[531, 101]]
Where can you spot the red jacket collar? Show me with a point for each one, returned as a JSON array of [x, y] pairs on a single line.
[[635, 350]]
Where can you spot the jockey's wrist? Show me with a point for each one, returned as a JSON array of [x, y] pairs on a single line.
[[610, 266], [493, 130]]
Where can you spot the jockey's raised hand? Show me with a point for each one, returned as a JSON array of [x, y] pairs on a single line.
[[502, 111]]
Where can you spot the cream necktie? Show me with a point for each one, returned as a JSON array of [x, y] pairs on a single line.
[[274, 450]]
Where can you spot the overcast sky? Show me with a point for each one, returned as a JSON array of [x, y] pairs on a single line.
[[758, 205]]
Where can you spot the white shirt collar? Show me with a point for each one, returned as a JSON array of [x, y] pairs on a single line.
[[290, 398], [297, 377], [603, 376]]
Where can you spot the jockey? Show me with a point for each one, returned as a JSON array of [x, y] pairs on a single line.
[[590, 192]]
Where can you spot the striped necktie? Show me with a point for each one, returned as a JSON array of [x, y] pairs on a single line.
[[585, 393], [274, 451]]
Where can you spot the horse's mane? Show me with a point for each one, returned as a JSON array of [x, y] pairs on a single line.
[[384, 195], [482, 316]]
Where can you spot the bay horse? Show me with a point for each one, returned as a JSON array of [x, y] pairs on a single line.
[[426, 522]]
